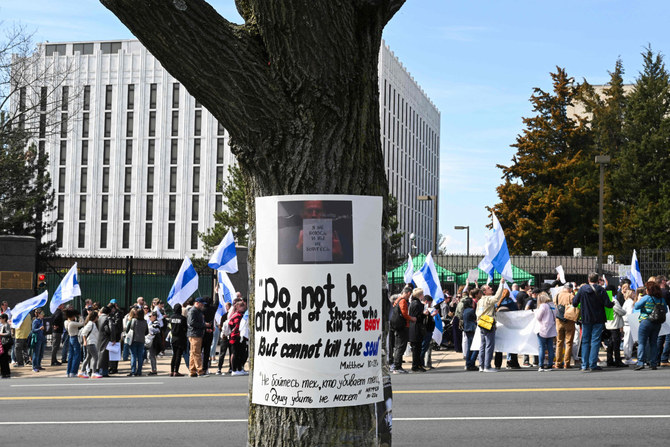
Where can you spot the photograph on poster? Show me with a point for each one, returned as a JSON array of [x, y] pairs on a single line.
[[315, 232]]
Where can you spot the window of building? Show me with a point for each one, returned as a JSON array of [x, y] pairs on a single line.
[[110, 47], [83, 180], [198, 123], [60, 212], [148, 230], [129, 124], [219, 150], [82, 48], [150, 208], [59, 235], [172, 207], [131, 96], [103, 235], [61, 180], [175, 95], [150, 179], [197, 104], [108, 97], [196, 151], [104, 207], [84, 153], [174, 151], [126, 235], [108, 125], [173, 179], [63, 125], [82, 207], [175, 123], [195, 208], [57, 49], [87, 97], [106, 149], [220, 129], [81, 239], [126, 207], [152, 124], [196, 179], [43, 126], [105, 179], [129, 152], [128, 180], [84, 125], [170, 241], [153, 92], [64, 98], [218, 203], [151, 151], [219, 176], [63, 152], [194, 236]]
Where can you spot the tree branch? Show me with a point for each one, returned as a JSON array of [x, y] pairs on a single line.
[[182, 33]]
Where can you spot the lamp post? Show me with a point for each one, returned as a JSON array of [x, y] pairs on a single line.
[[465, 227], [602, 160], [434, 200]]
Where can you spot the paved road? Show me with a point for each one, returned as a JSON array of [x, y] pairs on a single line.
[[441, 407]]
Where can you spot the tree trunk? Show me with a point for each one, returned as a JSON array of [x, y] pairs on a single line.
[[297, 88]]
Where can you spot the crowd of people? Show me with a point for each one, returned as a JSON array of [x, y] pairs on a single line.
[[94, 341], [571, 323]]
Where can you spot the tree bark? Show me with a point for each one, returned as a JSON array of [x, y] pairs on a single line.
[[297, 88]]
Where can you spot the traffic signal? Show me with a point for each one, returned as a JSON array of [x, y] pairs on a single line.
[[41, 281]]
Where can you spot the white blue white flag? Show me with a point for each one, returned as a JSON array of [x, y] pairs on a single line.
[[427, 279], [226, 294], [635, 275], [409, 271], [21, 310], [497, 255], [185, 284], [244, 325], [225, 256], [67, 289], [439, 327]]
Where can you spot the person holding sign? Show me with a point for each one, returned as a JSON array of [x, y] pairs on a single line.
[[486, 310], [653, 311]]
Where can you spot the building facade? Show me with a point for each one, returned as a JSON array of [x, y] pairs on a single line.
[[136, 164]]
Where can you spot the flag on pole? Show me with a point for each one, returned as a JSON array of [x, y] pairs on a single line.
[[225, 256], [184, 285], [226, 294], [67, 289], [427, 279], [437, 332], [21, 310], [409, 271], [635, 275], [497, 255]]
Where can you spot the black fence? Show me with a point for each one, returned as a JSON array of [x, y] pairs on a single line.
[[125, 279]]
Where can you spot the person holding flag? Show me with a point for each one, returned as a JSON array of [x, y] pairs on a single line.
[[67, 289], [22, 324]]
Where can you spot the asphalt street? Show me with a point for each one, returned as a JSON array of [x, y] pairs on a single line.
[[446, 406]]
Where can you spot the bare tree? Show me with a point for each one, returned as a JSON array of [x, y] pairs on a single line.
[[296, 86]]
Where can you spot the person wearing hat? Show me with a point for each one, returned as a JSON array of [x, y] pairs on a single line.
[[195, 332]]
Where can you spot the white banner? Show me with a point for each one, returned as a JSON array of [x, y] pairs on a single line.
[[635, 326], [515, 333], [318, 301]]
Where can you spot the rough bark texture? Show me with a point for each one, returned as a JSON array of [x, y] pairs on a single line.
[[297, 88]]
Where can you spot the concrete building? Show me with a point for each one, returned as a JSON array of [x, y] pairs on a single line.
[[135, 170]]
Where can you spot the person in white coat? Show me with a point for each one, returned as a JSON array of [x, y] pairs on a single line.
[[614, 326]]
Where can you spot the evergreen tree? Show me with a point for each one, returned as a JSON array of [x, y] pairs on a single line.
[[549, 198], [25, 188], [393, 237], [235, 215], [642, 171]]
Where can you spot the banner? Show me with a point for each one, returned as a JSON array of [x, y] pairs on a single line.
[[635, 326], [317, 311], [515, 333]]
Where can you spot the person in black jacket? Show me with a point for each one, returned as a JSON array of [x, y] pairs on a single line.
[[209, 312], [593, 300], [195, 332], [57, 325], [178, 328], [417, 328]]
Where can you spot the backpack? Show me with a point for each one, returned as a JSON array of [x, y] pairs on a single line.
[[657, 314], [560, 311], [397, 320]]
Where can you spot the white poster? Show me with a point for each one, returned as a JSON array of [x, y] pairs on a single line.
[[515, 333], [318, 301], [635, 326]]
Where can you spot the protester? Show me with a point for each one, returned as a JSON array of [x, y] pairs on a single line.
[[628, 306], [469, 328], [593, 300], [650, 325], [565, 328], [614, 327], [21, 338], [102, 340], [209, 312], [417, 328], [6, 343], [196, 330], [402, 334], [427, 343], [225, 344], [139, 329], [545, 315], [486, 307], [178, 328], [73, 324], [235, 338], [89, 335], [39, 339], [57, 334], [154, 344]]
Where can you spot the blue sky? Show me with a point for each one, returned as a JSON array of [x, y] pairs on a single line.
[[477, 60]]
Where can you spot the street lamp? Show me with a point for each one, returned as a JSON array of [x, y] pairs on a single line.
[[412, 247], [465, 227], [602, 160], [434, 200]]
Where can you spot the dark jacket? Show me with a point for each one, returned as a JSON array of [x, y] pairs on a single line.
[[196, 323], [178, 329], [140, 329], [57, 321], [593, 300], [417, 329], [469, 320]]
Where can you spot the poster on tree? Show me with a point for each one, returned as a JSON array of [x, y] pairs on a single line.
[[318, 301]]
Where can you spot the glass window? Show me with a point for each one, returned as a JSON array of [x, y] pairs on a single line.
[[103, 235], [82, 207], [43, 125], [84, 125], [196, 179], [105, 179], [108, 125], [83, 180], [61, 207], [84, 152], [219, 177], [218, 203], [128, 180], [131, 96], [152, 124], [82, 48], [106, 149], [59, 234], [175, 95], [173, 179], [151, 151], [198, 123], [194, 236], [126, 207], [195, 208], [63, 152], [61, 180], [150, 208], [219, 151], [220, 129], [87, 97], [126, 235], [129, 152], [196, 151], [43, 99], [129, 124], [63, 125], [110, 47], [64, 97], [197, 104], [174, 151], [104, 207], [108, 97], [148, 230], [170, 241], [57, 49], [172, 207], [153, 89], [150, 179], [175, 123], [81, 239]]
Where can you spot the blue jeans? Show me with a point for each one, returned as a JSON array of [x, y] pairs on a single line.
[[425, 345], [546, 346], [648, 333], [126, 352], [136, 357], [470, 355], [663, 354], [66, 347], [73, 355], [591, 333], [488, 344], [38, 353]]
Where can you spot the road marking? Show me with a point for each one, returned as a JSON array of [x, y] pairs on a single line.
[[534, 390], [175, 421], [527, 418], [102, 383], [122, 396]]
